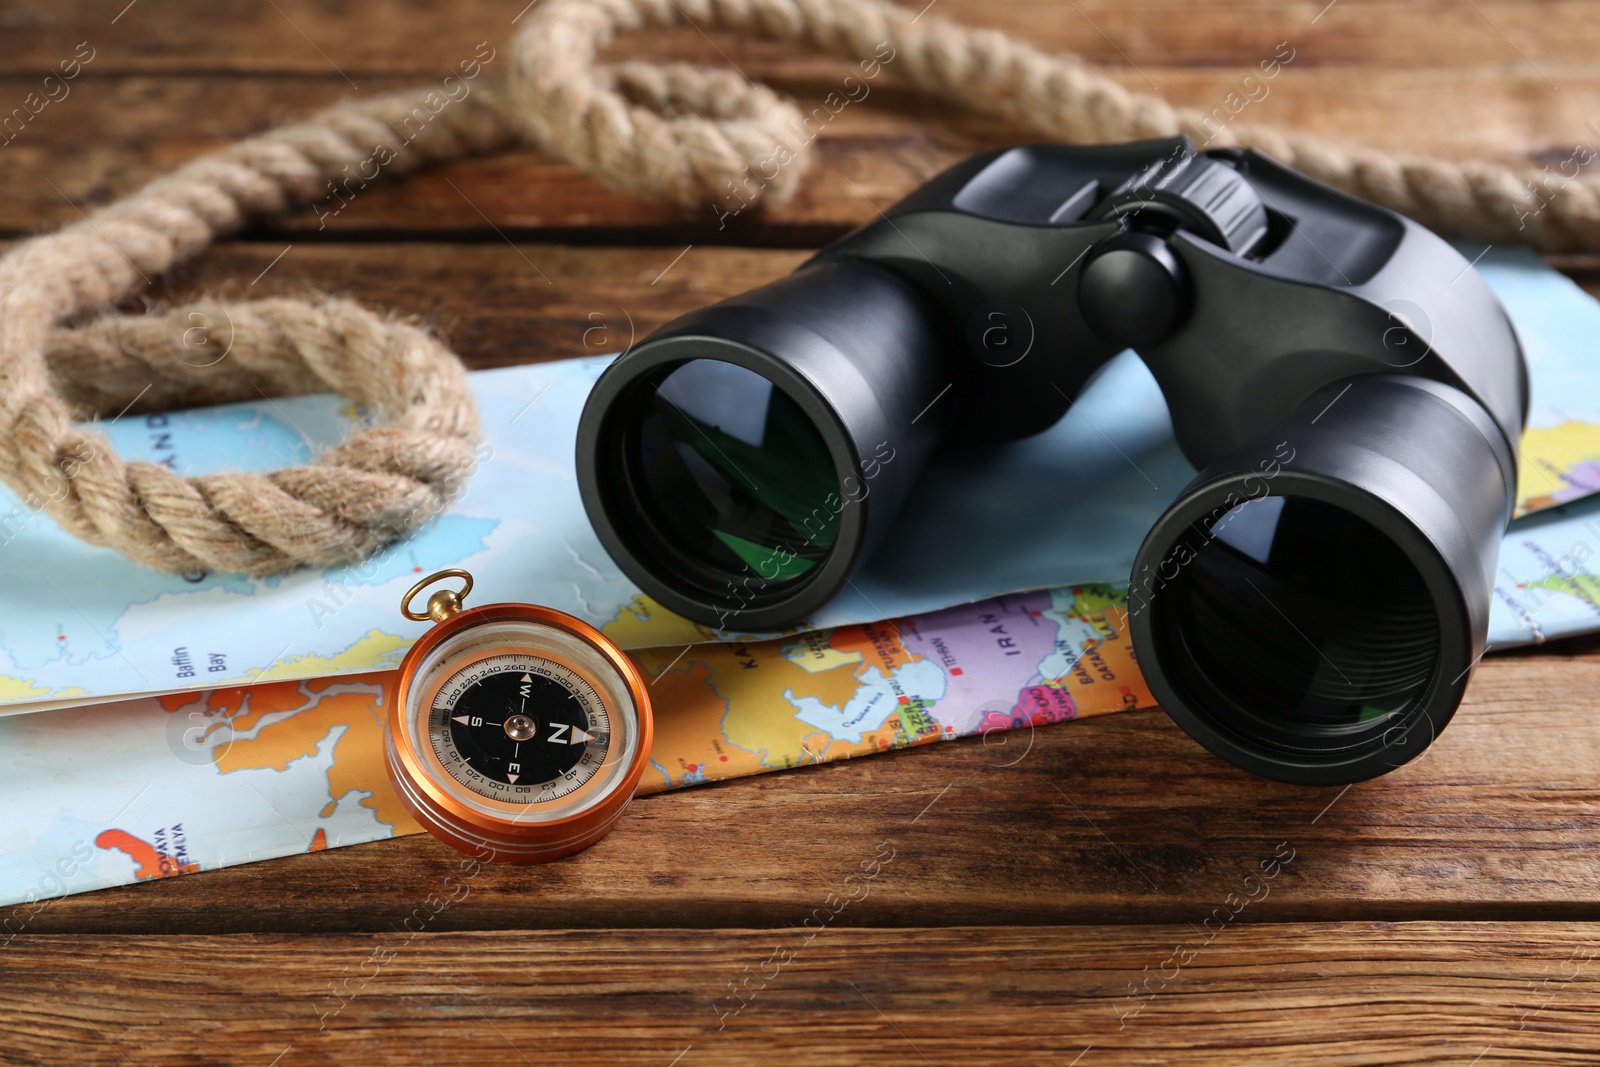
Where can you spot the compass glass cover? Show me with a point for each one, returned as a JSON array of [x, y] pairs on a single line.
[[523, 719]]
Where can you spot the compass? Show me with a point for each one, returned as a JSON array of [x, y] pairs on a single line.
[[515, 732]]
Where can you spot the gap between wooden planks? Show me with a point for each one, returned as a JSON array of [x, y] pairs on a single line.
[[364, 38]]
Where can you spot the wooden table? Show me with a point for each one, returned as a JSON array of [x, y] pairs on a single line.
[[1079, 905]]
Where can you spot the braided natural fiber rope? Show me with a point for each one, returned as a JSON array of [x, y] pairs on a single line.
[[379, 485], [692, 135]]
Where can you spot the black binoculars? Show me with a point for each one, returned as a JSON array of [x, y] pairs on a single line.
[[1312, 604]]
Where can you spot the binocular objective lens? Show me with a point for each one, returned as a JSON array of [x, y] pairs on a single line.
[[733, 475], [1295, 611]]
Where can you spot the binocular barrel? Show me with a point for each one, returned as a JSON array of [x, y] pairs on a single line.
[[742, 462], [1310, 607]]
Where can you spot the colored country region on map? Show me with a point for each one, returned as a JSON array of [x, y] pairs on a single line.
[[19, 689], [733, 694], [988, 652], [642, 623], [1559, 464], [1034, 658], [1581, 586], [691, 717], [814, 652], [890, 679], [1090, 602], [376, 650], [1546, 585], [267, 727], [723, 711], [148, 860], [874, 645], [1036, 705], [914, 689]]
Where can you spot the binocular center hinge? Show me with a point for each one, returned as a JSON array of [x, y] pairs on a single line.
[[1133, 290]]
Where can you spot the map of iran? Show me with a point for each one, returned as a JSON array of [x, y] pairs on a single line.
[[1025, 660]]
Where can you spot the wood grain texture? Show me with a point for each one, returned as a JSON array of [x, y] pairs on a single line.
[[1337, 994], [496, 302], [1441, 915], [171, 80], [115, 133], [1119, 819], [362, 37]]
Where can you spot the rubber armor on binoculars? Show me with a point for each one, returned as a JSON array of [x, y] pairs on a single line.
[[1312, 604]]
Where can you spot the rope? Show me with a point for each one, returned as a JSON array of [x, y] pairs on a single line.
[[696, 136]]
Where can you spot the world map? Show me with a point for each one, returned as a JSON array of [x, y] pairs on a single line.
[[164, 786]]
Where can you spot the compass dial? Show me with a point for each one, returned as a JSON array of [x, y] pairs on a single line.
[[515, 731], [519, 728]]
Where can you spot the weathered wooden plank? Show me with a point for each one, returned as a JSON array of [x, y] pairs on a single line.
[[364, 36], [497, 302], [112, 134], [1119, 819], [163, 86], [1276, 994]]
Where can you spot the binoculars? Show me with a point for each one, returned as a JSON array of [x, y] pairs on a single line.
[[1312, 604]]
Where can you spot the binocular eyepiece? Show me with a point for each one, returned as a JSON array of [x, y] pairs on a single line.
[[1312, 604]]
